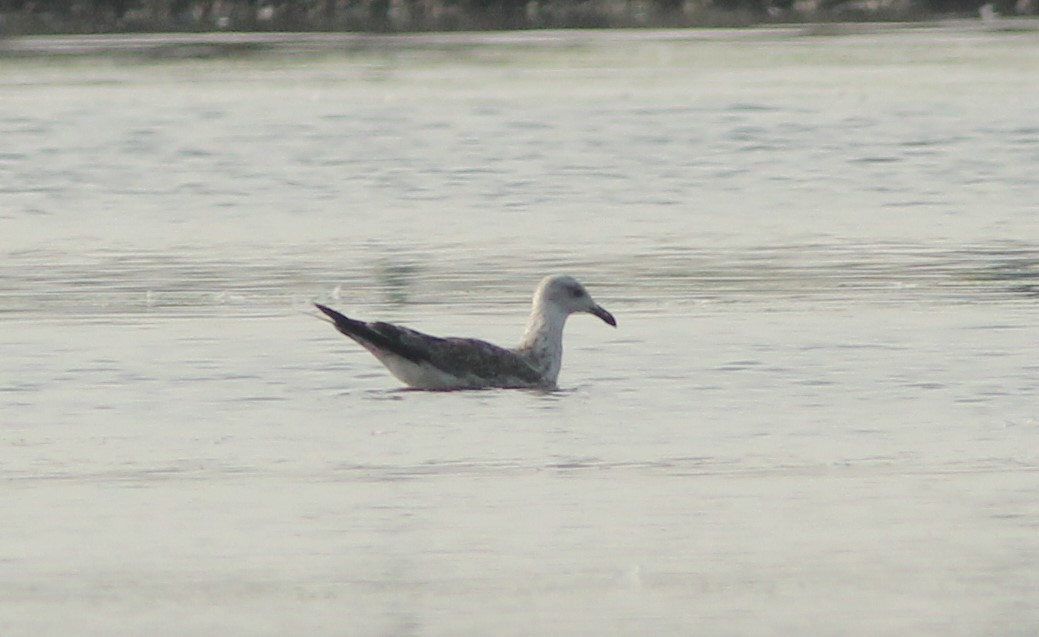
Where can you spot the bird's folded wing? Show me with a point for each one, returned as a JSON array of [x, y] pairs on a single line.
[[460, 357]]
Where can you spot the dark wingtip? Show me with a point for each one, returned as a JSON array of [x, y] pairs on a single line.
[[379, 335], [342, 323]]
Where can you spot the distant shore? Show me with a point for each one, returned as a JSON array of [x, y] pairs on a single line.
[[67, 17], [172, 46]]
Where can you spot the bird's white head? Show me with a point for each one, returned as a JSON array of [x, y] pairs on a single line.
[[566, 295]]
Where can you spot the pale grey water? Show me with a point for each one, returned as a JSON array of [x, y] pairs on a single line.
[[818, 415]]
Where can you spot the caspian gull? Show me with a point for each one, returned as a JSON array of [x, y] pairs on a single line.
[[428, 362]]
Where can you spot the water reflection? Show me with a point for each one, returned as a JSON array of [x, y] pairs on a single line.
[[147, 282], [396, 278]]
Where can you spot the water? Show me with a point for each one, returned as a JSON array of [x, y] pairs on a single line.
[[818, 413]]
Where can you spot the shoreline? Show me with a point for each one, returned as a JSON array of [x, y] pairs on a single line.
[[322, 18], [229, 43]]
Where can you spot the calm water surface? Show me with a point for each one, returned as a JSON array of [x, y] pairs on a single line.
[[818, 415]]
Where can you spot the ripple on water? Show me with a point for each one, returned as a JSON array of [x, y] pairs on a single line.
[[43, 282]]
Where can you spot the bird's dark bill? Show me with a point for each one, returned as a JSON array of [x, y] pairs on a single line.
[[604, 315]]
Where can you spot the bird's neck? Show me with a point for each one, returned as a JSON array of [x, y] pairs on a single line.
[[542, 342]]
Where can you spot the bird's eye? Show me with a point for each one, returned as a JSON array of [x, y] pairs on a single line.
[[576, 293]]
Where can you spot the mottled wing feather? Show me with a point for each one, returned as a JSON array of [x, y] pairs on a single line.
[[468, 359], [401, 341], [460, 357], [472, 357]]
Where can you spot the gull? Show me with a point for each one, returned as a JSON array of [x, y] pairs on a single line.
[[422, 361]]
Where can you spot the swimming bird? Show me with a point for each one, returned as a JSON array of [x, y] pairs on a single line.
[[422, 361]]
